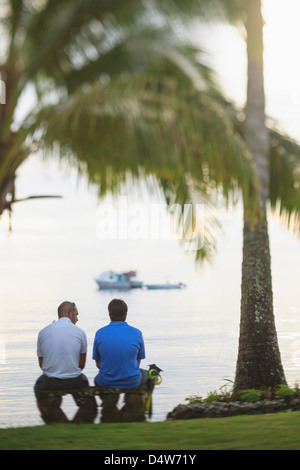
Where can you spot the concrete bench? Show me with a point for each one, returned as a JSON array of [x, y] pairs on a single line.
[[134, 408]]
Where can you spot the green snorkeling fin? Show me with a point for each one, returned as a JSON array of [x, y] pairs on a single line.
[[154, 379]]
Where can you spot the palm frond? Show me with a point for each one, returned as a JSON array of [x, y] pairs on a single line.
[[130, 122], [285, 178], [152, 123], [150, 126], [232, 10]]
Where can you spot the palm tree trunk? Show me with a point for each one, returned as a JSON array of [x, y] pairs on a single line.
[[259, 363]]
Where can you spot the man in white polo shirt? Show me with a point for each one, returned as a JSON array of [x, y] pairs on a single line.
[[62, 351]]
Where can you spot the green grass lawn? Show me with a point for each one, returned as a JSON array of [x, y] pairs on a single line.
[[279, 431]]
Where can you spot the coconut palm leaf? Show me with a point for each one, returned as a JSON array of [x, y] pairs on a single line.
[[124, 122], [208, 10], [284, 157], [285, 178], [150, 126], [148, 122], [62, 46]]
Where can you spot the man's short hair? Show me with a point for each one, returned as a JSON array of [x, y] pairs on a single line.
[[64, 308], [117, 309]]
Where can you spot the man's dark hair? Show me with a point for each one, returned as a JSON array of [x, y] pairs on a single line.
[[117, 309]]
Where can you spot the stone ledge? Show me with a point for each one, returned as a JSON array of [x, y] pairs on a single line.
[[91, 391], [220, 409]]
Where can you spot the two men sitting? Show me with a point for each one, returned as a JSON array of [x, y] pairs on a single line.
[[118, 350]]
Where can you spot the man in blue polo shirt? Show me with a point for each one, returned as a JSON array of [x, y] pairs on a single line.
[[118, 350]]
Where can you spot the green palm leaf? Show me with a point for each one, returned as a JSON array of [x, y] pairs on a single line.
[[285, 178], [108, 66], [146, 126], [148, 122]]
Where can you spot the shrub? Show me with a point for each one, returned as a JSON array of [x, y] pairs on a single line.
[[213, 397], [194, 399], [251, 396], [284, 391]]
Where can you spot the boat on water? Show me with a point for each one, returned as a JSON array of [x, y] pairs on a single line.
[[125, 280], [113, 280], [166, 286]]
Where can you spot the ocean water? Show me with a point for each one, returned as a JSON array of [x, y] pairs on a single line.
[[177, 338]]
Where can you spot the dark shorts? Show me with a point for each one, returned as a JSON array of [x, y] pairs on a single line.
[[145, 376], [144, 379], [51, 383]]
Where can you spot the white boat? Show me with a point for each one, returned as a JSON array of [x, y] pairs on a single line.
[[113, 280], [167, 285], [124, 280]]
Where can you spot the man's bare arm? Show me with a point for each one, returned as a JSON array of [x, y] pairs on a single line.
[[82, 361]]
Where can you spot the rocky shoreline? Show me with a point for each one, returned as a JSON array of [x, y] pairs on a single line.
[[220, 409]]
